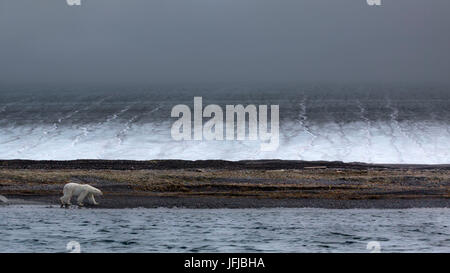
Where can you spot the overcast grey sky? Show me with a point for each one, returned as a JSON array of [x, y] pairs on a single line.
[[147, 41]]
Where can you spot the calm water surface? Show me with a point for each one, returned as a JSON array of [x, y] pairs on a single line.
[[47, 229]]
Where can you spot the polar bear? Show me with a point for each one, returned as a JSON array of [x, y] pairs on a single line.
[[80, 190]]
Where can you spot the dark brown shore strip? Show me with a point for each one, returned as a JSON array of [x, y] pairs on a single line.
[[274, 164], [227, 184]]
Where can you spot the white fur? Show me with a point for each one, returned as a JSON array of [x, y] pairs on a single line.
[[80, 190]]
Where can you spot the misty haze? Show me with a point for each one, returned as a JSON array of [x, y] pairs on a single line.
[[223, 41]]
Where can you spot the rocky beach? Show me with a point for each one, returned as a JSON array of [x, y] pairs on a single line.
[[230, 184]]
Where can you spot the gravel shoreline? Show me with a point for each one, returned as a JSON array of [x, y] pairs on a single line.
[[126, 201], [225, 184]]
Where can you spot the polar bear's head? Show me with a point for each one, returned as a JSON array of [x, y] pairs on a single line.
[[93, 190], [97, 192]]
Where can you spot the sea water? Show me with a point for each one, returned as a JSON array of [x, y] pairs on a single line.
[[50, 229]]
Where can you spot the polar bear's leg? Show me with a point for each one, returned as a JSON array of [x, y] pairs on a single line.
[[65, 200], [91, 198], [81, 198], [62, 202]]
